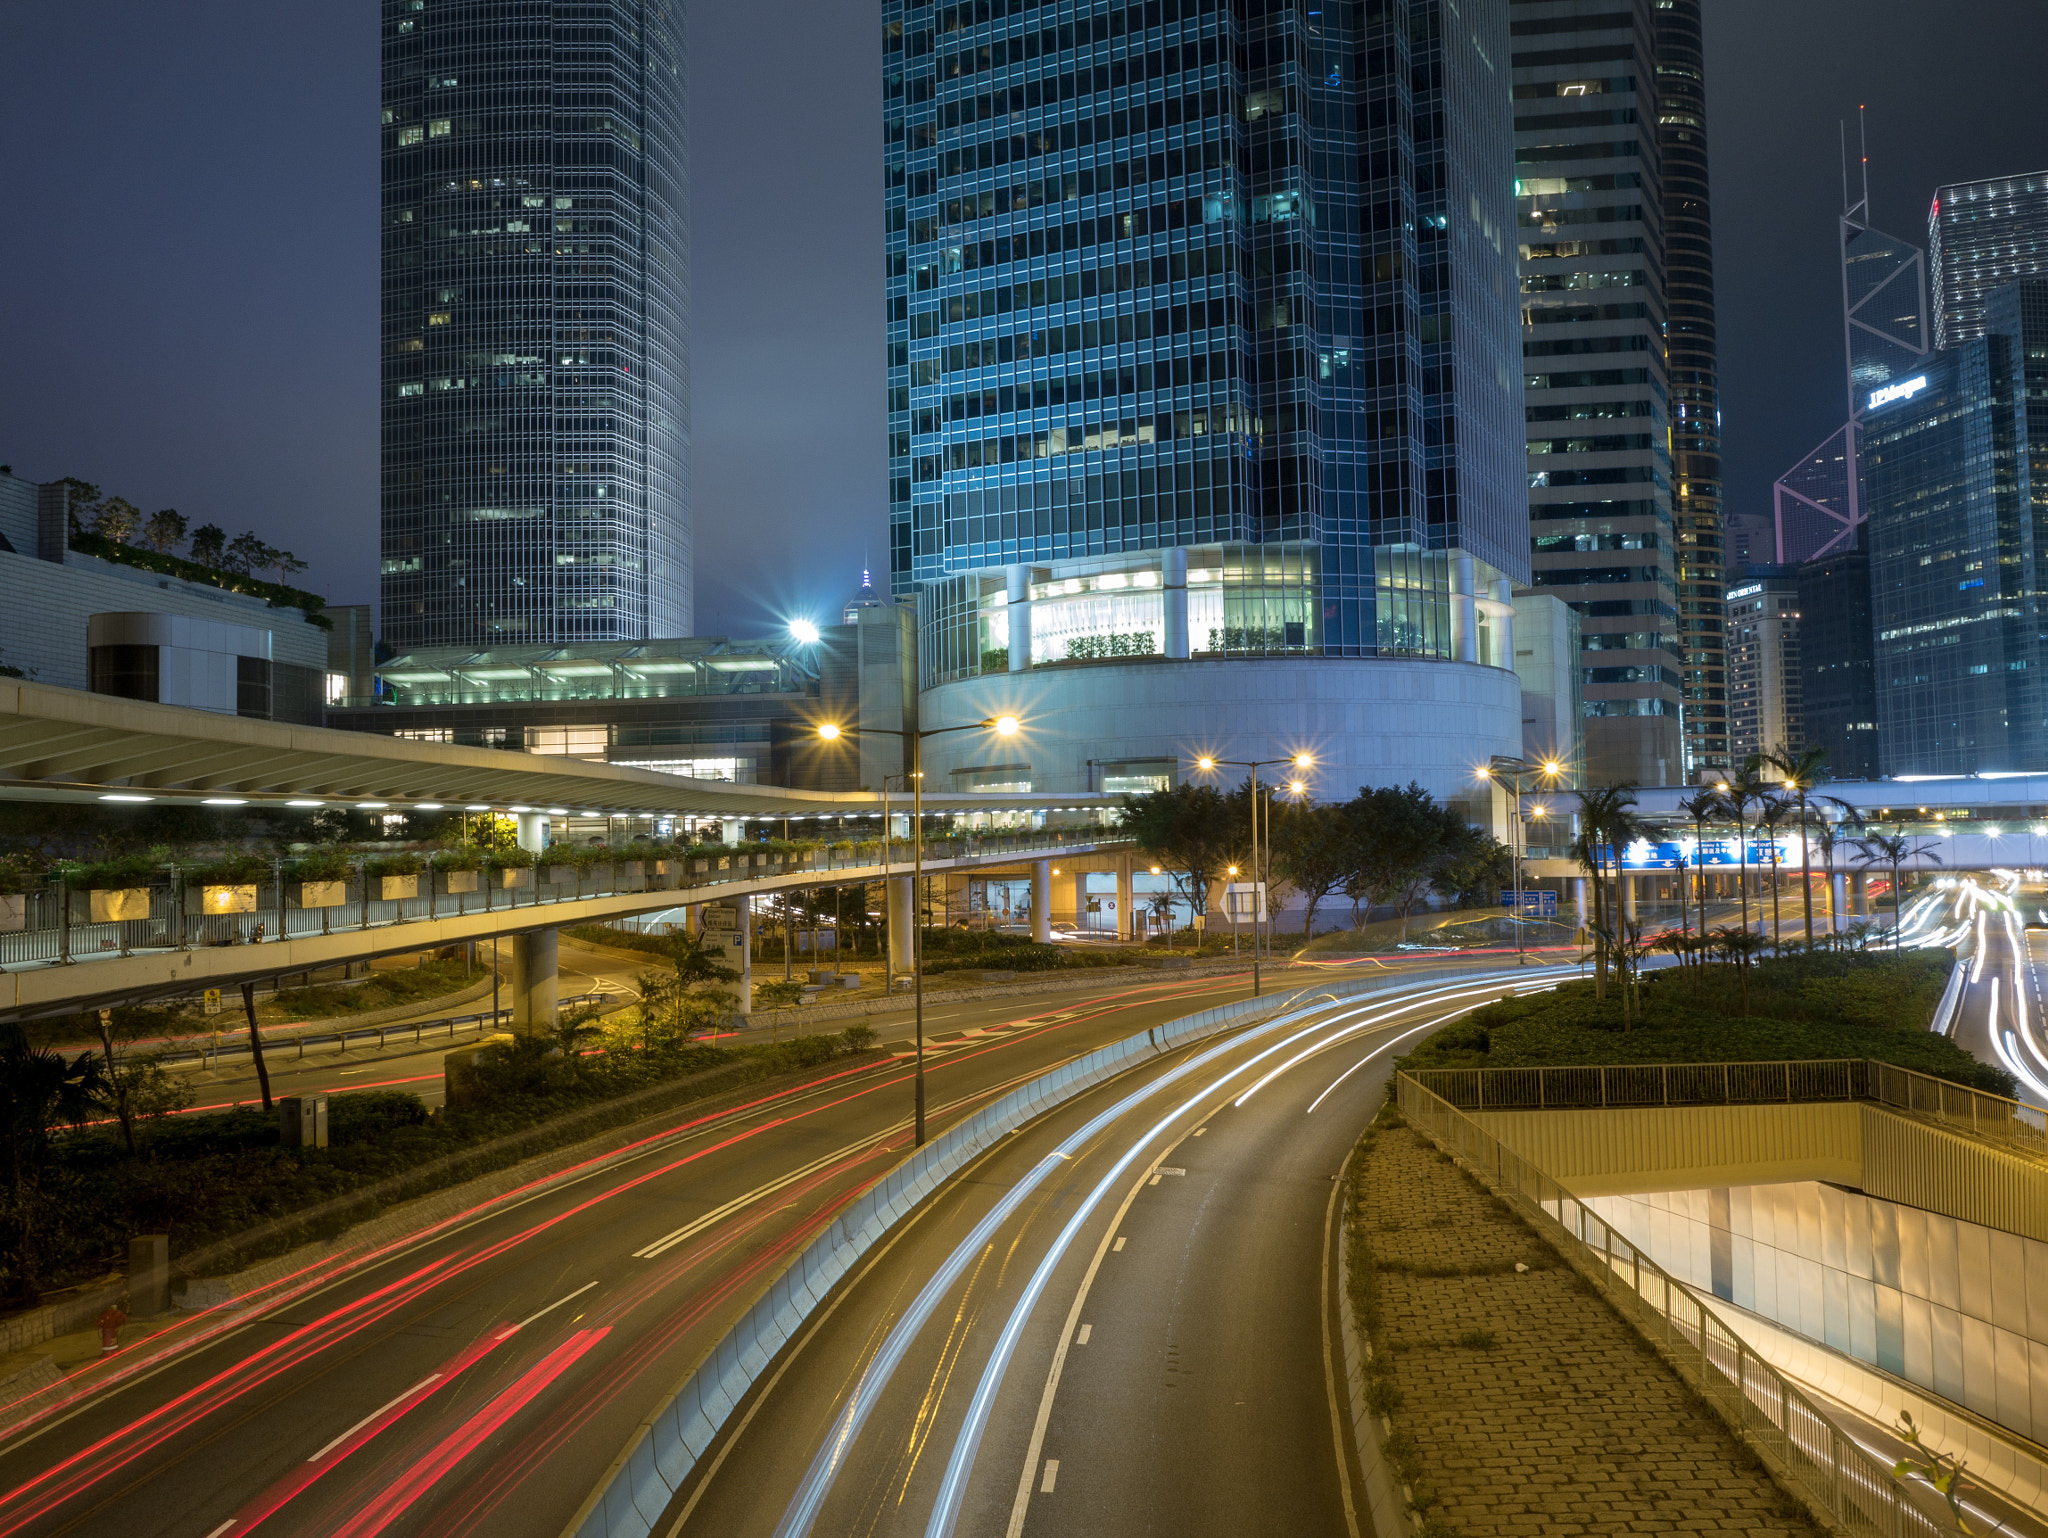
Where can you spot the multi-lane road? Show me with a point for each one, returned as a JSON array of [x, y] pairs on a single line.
[[481, 1377]]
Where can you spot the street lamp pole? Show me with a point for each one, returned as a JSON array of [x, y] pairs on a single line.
[[1513, 769], [1299, 761], [1002, 726]]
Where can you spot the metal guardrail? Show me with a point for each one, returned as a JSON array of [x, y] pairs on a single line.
[[1994, 1118], [642, 1482], [1854, 1488], [276, 1047], [49, 931]]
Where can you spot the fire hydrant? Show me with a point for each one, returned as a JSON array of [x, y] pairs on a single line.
[[110, 1328]]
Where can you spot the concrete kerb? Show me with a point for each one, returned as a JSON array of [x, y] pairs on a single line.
[[1386, 1513], [657, 1460]]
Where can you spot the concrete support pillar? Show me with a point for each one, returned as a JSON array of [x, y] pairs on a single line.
[[1019, 579], [732, 831], [1628, 895], [1861, 907], [533, 831], [902, 925], [1173, 577], [745, 959], [536, 983], [1041, 901], [1126, 906], [149, 1275], [1504, 622], [1838, 899], [1581, 903], [1080, 879], [1464, 613]]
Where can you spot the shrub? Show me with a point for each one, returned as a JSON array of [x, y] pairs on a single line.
[[17, 875], [230, 870], [406, 864], [370, 1113], [114, 875], [858, 1038], [777, 994], [321, 865], [509, 859], [462, 857]]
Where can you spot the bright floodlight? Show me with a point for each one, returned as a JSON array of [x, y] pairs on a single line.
[[1302, 761], [1553, 767], [803, 632], [1296, 787], [829, 732], [1205, 763], [1006, 726]]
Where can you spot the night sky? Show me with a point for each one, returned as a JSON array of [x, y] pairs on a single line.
[[188, 256]]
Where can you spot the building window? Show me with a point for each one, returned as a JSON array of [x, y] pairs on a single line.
[[252, 687], [126, 672]]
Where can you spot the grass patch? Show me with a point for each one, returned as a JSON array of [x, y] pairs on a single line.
[[1478, 1340], [1819, 1005]]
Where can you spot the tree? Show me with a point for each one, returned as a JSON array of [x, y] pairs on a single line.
[[165, 531], [1893, 850], [1744, 791], [1831, 836], [116, 519], [1703, 807], [1189, 830], [287, 564], [1740, 946], [209, 544], [1398, 840], [1607, 825], [1771, 813], [1802, 771], [40, 1090], [246, 555], [1312, 850]]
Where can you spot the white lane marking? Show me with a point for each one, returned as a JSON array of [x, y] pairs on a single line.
[[223, 1527], [1167, 1169], [1086, 1331], [427, 1381], [1052, 1474], [1347, 1073], [554, 1305], [1119, 1242], [696, 1226]]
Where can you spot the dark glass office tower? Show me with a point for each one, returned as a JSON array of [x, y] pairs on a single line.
[[1588, 154], [1693, 374], [1217, 277], [1955, 474], [535, 324], [1981, 236]]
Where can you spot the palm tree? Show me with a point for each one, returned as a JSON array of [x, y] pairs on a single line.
[[1740, 946], [40, 1090], [1703, 807], [1743, 791], [1682, 945], [1802, 771], [1604, 822], [1771, 811], [1894, 849], [1830, 835]]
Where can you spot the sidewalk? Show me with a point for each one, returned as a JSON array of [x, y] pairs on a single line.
[[1518, 1401]]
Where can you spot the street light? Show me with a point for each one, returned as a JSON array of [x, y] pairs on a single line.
[[830, 731], [1501, 765], [1299, 761], [803, 632]]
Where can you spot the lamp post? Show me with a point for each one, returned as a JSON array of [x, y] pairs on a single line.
[[1500, 766], [1298, 761], [1002, 726]]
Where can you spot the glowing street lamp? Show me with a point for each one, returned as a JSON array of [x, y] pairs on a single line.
[[831, 731], [1301, 761], [803, 632]]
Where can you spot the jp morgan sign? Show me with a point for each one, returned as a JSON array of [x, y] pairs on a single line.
[[1904, 390]]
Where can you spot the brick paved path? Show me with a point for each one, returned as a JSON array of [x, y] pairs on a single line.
[[1526, 1406]]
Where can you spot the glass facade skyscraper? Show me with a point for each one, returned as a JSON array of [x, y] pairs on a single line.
[[1693, 370], [1211, 277], [534, 373], [1955, 473], [1591, 216], [1980, 236]]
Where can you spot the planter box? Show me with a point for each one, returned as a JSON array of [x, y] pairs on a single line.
[[110, 906], [561, 875], [628, 870], [220, 899], [395, 888], [13, 912], [700, 867], [322, 894], [457, 882], [725, 862], [512, 878], [664, 867]]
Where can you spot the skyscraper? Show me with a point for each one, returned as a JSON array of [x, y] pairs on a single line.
[[1692, 365], [1202, 352], [534, 384], [1980, 236], [1588, 153]]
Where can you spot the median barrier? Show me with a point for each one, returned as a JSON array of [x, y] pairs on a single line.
[[664, 1451]]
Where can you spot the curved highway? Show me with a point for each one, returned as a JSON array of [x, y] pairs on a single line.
[[1118, 1321]]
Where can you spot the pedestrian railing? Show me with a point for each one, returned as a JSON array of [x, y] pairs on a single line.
[[1853, 1487], [46, 926], [2021, 1127]]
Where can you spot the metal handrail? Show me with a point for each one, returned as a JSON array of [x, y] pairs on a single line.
[[1853, 1487], [48, 933], [1612, 1086], [277, 1044]]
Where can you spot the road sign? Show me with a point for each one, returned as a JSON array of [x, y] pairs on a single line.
[[213, 1001], [1245, 901], [1534, 904]]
